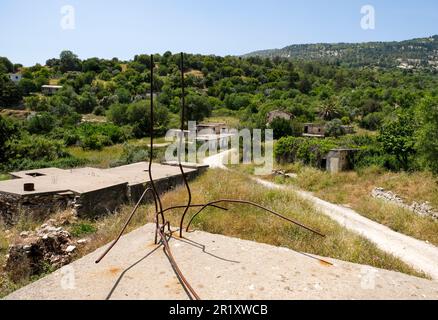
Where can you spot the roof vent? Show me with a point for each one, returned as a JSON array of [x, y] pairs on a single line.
[[28, 187]]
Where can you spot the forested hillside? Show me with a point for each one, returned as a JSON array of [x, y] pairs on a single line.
[[419, 54], [401, 106]]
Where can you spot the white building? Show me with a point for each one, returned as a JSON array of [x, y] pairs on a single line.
[[15, 77], [49, 89]]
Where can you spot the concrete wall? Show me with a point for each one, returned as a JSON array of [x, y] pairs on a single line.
[[339, 160]]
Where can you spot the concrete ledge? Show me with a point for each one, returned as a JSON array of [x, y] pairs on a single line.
[[221, 268]]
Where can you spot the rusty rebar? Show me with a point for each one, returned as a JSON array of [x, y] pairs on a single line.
[[183, 106], [127, 223], [151, 150], [175, 266], [193, 206], [159, 211], [255, 205]]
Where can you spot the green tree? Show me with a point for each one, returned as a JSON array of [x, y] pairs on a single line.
[[334, 128], [283, 128], [329, 109], [69, 62], [43, 122], [27, 86], [8, 131], [6, 65], [427, 144], [397, 139], [10, 94]]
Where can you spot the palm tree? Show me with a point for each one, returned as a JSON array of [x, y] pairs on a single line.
[[329, 110]]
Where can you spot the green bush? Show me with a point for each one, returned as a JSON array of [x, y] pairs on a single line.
[[307, 151], [283, 128], [372, 121], [82, 229], [36, 148], [42, 122], [334, 128], [95, 136]]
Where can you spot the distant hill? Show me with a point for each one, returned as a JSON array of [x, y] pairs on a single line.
[[421, 53]]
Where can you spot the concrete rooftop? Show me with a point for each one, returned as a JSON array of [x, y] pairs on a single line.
[[53, 180], [221, 268]]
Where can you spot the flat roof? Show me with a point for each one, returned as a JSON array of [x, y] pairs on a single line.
[[85, 180], [51, 86]]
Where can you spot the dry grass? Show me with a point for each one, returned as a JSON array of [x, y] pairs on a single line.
[[195, 73], [54, 81], [353, 189], [241, 221], [98, 158]]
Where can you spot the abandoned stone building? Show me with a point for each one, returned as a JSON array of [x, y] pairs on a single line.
[[90, 192], [50, 89], [217, 128], [348, 129], [316, 130], [338, 160], [278, 114]]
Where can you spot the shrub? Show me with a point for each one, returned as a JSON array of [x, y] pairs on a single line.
[[372, 121], [283, 128], [137, 115], [41, 123], [334, 128], [82, 229], [307, 151], [95, 142], [36, 148]]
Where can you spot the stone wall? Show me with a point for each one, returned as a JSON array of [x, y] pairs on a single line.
[[34, 206], [100, 202], [422, 209]]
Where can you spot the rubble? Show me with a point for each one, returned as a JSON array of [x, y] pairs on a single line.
[[422, 209], [47, 248], [283, 173]]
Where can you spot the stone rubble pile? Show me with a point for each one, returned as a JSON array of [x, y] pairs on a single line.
[[283, 173], [48, 247], [422, 209]]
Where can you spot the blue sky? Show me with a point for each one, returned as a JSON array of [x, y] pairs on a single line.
[[30, 31]]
